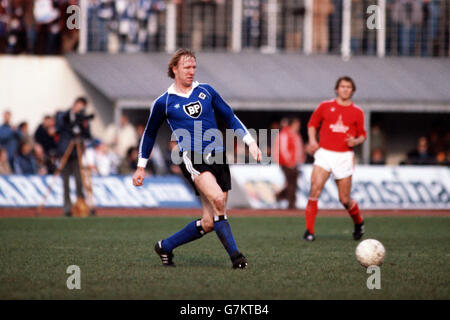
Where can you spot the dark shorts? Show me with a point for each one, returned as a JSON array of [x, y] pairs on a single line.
[[219, 169]]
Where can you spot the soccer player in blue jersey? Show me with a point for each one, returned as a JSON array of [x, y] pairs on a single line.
[[189, 108]]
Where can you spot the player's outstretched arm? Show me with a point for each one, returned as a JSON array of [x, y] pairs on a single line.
[[138, 177]]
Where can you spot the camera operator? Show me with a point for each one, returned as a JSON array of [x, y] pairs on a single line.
[[72, 126]]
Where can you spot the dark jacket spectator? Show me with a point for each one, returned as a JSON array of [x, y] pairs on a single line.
[[71, 124], [45, 134], [129, 163], [24, 161], [9, 137], [421, 155]]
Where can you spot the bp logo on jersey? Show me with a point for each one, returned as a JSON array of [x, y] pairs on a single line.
[[193, 110]]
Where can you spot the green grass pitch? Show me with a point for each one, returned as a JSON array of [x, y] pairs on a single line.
[[116, 259]]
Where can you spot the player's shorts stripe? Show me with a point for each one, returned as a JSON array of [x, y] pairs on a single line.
[[189, 166]]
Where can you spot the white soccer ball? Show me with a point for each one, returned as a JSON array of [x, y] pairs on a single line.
[[370, 252]]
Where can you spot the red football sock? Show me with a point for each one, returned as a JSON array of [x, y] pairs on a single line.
[[354, 213], [310, 215]]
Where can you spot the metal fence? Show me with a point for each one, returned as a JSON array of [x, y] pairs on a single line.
[[344, 27]]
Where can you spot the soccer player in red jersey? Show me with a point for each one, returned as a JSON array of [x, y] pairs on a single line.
[[341, 126]]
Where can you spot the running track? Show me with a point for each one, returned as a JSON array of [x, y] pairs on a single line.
[[163, 212]]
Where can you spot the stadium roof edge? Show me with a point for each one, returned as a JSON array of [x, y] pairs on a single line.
[[275, 81]]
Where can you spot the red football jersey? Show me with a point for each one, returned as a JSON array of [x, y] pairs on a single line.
[[337, 123]]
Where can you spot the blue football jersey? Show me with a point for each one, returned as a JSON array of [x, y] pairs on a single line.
[[192, 119]]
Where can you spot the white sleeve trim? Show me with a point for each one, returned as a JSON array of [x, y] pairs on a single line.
[[248, 139], [142, 162]]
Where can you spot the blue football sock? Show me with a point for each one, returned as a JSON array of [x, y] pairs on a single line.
[[192, 231], [223, 231]]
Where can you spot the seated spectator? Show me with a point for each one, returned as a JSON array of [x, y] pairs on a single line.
[[421, 155], [129, 163], [119, 140], [22, 128], [45, 134], [24, 161], [44, 163], [377, 157], [5, 168], [173, 168], [443, 158], [104, 160]]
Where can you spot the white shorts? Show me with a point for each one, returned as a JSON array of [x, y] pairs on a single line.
[[340, 164]]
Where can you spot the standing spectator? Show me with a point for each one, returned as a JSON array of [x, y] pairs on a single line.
[[289, 147], [203, 14], [408, 15], [30, 26], [69, 37], [252, 17], [3, 25], [70, 126], [122, 138], [9, 137], [429, 29], [5, 168], [127, 24], [295, 11], [16, 28], [46, 16], [105, 13], [358, 24], [149, 27], [24, 161], [45, 134], [421, 155], [321, 12], [335, 26]]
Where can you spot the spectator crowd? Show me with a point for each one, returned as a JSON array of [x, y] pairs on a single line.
[[413, 27], [22, 152]]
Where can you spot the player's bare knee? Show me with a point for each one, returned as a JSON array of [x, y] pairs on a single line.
[[219, 203], [315, 191], [345, 200]]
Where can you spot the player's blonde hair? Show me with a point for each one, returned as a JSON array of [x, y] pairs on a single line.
[[176, 58]]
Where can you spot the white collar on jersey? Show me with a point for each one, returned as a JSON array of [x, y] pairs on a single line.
[[171, 90]]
